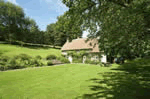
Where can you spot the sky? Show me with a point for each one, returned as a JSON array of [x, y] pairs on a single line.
[[44, 12]]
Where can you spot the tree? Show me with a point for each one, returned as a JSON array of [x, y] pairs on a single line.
[[123, 26], [11, 17], [14, 25], [65, 28], [50, 34]]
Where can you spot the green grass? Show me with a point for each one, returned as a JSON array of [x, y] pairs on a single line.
[[12, 50], [74, 81], [78, 81], [57, 82]]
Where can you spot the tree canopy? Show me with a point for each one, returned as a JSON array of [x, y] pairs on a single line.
[[123, 26], [65, 28], [16, 26]]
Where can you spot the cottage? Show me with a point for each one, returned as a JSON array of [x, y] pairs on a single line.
[[90, 46]]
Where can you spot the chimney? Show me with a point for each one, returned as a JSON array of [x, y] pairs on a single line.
[[67, 40]]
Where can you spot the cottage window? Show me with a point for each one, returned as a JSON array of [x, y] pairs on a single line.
[[96, 57]]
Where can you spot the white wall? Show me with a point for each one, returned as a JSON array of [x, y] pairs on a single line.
[[104, 58], [64, 53], [93, 58]]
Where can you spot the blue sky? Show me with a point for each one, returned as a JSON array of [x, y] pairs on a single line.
[[44, 12]]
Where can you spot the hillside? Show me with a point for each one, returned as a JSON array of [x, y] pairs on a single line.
[[12, 50]]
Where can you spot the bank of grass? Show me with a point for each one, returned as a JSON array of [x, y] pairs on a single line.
[[12, 50], [57, 82], [78, 81]]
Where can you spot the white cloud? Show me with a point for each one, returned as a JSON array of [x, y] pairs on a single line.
[[13, 1], [56, 5]]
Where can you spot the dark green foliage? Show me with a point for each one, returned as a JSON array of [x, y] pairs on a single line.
[[65, 28], [78, 54], [15, 26], [92, 62], [77, 60], [36, 63], [38, 57], [136, 64], [4, 60], [122, 26], [50, 57], [64, 60], [50, 63], [19, 61], [23, 57]]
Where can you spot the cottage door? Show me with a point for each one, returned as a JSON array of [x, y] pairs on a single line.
[[84, 59]]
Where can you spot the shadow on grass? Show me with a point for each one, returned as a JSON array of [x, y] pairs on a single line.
[[129, 81]]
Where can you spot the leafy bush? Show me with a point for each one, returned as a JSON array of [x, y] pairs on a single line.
[[36, 63], [4, 58], [49, 63], [38, 57], [49, 57], [63, 60], [88, 61], [92, 62], [77, 60], [23, 57], [4, 63], [19, 61]]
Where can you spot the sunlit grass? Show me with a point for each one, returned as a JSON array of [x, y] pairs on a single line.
[[57, 82], [12, 50]]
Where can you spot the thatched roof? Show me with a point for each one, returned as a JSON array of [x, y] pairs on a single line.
[[81, 43]]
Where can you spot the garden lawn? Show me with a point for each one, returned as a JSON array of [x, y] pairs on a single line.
[[12, 50], [57, 82]]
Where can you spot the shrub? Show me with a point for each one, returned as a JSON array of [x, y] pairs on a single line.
[[4, 62], [4, 58], [49, 63], [49, 57], [64, 60], [88, 61], [23, 57], [38, 57], [17, 63], [92, 62], [36, 63], [77, 60]]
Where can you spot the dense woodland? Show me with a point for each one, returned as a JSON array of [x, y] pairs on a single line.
[[16, 26]]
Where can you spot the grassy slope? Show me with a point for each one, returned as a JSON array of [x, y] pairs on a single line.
[[11, 50], [58, 82]]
